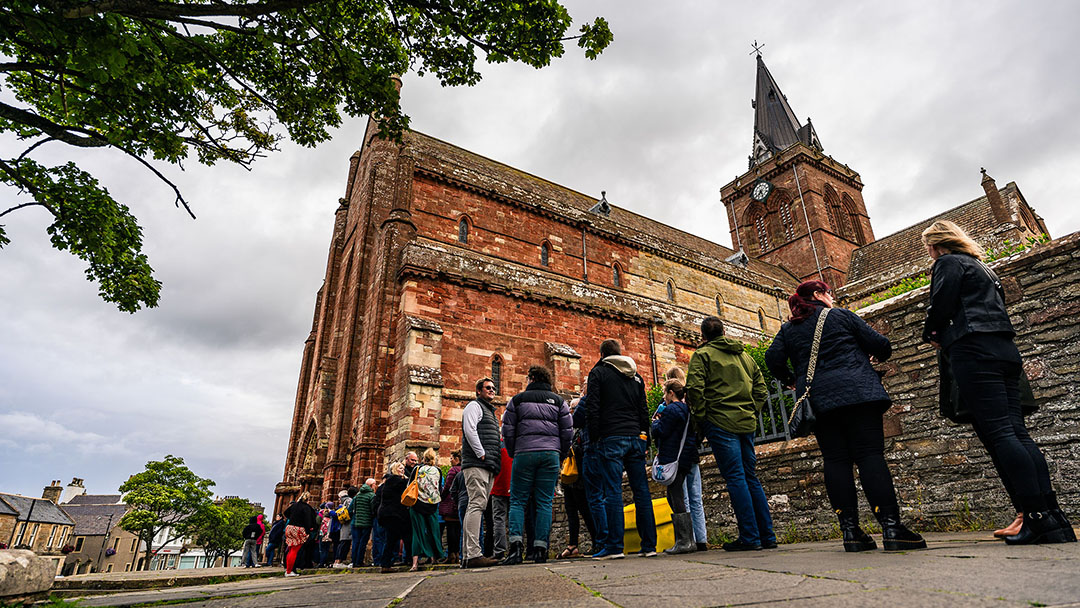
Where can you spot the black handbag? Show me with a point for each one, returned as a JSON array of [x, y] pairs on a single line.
[[802, 420]]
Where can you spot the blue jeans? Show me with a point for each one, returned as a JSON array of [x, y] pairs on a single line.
[[594, 494], [735, 457], [360, 535], [270, 554], [534, 474], [692, 494], [378, 540], [615, 455]]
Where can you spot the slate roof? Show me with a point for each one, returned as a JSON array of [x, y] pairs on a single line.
[[489, 176], [5, 509], [886, 261], [93, 520], [94, 499], [44, 511]]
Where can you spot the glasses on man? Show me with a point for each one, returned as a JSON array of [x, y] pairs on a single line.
[[489, 388]]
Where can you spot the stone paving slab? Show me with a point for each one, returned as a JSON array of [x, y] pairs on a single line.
[[957, 571]]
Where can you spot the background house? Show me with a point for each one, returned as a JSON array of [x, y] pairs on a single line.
[[40, 525]]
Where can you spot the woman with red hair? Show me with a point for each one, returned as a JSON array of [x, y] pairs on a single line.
[[848, 401]]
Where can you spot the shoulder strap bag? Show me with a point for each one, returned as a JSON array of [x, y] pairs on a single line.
[[664, 474], [412, 491], [802, 420]]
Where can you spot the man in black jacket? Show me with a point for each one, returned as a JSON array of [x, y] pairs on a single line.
[[617, 420], [250, 533]]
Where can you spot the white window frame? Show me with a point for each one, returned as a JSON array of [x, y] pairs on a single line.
[[52, 536]]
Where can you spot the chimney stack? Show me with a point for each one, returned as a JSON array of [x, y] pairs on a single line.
[[52, 492], [1001, 212]]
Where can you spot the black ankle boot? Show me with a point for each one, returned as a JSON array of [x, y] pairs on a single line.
[[854, 537], [1040, 527], [539, 555], [513, 555], [1059, 515], [895, 535]]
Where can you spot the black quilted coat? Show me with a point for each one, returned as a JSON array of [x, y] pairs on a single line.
[[844, 375]]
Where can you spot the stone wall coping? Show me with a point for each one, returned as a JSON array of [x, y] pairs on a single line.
[[1003, 266]]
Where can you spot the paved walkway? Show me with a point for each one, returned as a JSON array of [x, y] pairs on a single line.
[[958, 570]]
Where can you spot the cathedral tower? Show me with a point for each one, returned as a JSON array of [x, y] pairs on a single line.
[[795, 206]]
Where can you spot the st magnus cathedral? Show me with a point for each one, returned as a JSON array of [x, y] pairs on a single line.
[[445, 267]]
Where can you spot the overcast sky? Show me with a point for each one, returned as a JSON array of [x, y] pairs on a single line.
[[916, 96]]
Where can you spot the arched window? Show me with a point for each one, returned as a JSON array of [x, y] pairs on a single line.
[[545, 253], [670, 290], [832, 208], [762, 232], [496, 373], [852, 216], [616, 275], [787, 222], [761, 318], [719, 305], [463, 231]]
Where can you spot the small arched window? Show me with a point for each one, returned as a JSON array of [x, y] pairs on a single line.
[[545, 253], [761, 318], [670, 290], [762, 232], [616, 275], [496, 373], [719, 305], [463, 231], [786, 220]]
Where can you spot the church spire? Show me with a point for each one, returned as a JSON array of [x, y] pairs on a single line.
[[775, 124]]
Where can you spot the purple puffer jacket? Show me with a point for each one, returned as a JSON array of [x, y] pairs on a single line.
[[537, 420], [448, 508]]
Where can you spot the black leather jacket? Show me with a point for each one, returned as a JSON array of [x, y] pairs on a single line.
[[965, 297]]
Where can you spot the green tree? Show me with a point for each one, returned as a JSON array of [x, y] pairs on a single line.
[[218, 529], [167, 495], [223, 80]]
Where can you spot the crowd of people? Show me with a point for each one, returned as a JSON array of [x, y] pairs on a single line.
[[494, 505]]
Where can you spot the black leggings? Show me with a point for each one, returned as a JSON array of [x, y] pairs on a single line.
[[453, 535], [853, 435], [576, 505], [990, 388], [675, 497]]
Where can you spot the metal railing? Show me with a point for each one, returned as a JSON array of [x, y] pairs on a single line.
[[773, 418]]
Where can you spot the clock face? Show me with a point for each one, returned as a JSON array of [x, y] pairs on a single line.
[[760, 191]]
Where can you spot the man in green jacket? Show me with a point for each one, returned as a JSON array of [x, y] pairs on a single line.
[[362, 518], [725, 390]]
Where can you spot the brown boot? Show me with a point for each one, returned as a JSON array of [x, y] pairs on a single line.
[[1011, 529]]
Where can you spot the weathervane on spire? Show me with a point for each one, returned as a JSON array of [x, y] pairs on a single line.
[[757, 48]]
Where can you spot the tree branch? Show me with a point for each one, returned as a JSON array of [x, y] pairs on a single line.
[[167, 10], [30, 204], [64, 133], [179, 197]]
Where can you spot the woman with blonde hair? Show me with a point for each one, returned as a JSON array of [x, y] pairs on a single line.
[[424, 514], [301, 523], [968, 321]]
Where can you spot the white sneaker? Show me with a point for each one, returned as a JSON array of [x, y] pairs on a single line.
[[291, 574], [614, 556], [647, 553]]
